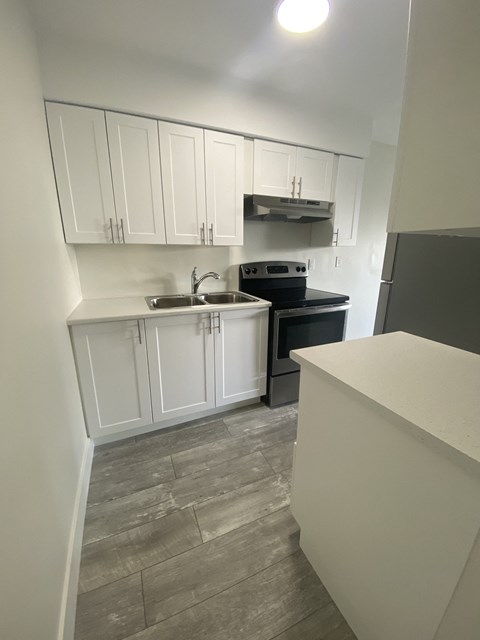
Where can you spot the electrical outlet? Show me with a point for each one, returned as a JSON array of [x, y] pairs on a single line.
[[338, 262], [311, 264]]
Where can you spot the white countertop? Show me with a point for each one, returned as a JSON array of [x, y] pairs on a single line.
[[432, 386], [108, 309]]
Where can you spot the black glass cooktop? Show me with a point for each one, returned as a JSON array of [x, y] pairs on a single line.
[[290, 298]]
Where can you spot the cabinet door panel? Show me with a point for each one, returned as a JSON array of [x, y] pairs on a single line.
[[78, 141], [135, 161], [180, 354], [314, 174], [224, 173], [348, 194], [241, 355], [112, 368], [273, 169], [183, 171]]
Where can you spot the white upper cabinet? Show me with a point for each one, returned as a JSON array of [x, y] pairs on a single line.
[[112, 368], [292, 172], [224, 172], [274, 169], [79, 146], [183, 170], [240, 355], [181, 364], [348, 194], [314, 171], [135, 162]]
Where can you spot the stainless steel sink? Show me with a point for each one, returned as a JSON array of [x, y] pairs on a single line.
[[227, 297], [203, 299], [171, 302]]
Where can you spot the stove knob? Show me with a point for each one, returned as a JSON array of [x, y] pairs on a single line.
[[299, 269], [247, 272], [304, 269], [254, 270]]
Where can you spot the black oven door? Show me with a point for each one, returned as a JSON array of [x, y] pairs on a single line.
[[305, 327]]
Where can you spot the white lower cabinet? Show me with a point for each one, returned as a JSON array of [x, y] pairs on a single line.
[[134, 373], [180, 359], [240, 355], [198, 362], [113, 373]]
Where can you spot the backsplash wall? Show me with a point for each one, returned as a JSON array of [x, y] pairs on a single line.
[[131, 270]]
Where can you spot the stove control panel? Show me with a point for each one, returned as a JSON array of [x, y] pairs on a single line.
[[273, 269]]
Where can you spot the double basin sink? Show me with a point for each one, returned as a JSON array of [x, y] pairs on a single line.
[[200, 299]]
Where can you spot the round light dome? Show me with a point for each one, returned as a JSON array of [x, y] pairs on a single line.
[[300, 16]]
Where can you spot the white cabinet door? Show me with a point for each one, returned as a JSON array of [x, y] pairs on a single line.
[[180, 358], [183, 172], [224, 174], [78, 139], [274, 169], [112, 368], [314, 171], [240, 355], [348, 194], [135, 162]]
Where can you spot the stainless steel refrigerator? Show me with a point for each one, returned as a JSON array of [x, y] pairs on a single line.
[[431, 288]]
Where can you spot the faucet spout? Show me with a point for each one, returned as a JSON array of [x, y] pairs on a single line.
[[197, 281]]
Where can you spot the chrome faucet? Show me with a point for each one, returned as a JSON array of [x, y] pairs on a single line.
[[196, 282]]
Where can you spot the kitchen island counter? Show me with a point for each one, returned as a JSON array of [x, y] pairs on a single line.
[[433, 387], [386, 484]]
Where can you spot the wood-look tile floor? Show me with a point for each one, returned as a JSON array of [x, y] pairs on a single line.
[[188, 535]]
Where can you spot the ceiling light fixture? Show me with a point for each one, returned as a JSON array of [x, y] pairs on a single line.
[[301, 16]]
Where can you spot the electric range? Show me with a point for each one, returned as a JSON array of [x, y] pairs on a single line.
[[299, 317]]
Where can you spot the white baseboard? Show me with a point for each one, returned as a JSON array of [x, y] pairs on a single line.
[[66, 626]]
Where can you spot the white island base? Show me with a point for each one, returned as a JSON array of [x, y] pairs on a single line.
[[386, 484]]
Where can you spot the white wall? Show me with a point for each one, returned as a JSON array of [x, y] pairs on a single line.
[[437, 183], [43, 434], [147, 270], [85, 73]]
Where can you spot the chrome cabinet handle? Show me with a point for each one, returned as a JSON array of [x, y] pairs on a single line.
[[300, 187], [139, 331], [335, 237], [211, 233], [210, 328], [123, 230], [219, 324], [111, 231], [202, 233], [293, 186]]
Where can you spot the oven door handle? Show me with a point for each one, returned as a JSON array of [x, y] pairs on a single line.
[[308, 311]]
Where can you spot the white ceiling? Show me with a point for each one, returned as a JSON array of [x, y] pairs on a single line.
[[354, 62]]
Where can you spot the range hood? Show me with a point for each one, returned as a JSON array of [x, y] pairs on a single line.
[[274, 209]]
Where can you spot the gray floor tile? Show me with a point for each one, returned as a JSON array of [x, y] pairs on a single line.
[[280, 456], [247, 582], [325, 624], [118, 515], [112, 612], [208, 456], [129, 552], [185, 437], [127, 475], [218, 516], [256, 609], [198, 574], [160, 444], [103, 448], [246, 421]]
